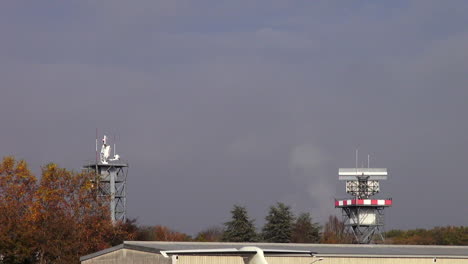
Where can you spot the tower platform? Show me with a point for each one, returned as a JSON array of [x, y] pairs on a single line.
[[363, 202]]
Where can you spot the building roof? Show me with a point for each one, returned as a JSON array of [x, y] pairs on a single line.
[[324, 250]]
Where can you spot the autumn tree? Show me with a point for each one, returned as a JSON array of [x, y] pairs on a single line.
[[304, 230], [55, 220], [145, 233], [211, 234], [17, 229], [449, 235], [71, 220], [240, 228], [335, 232], [279, 224], [163, 233], [123, 231]]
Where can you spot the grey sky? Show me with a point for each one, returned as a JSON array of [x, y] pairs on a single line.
[[250, 102]]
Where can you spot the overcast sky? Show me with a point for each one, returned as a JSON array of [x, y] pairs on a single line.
[[216, 103]]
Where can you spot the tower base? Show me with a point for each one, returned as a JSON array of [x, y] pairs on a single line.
[[364, 218]]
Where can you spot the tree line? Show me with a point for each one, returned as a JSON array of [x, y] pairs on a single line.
[[281, 226], [449, 235], [59, 217]]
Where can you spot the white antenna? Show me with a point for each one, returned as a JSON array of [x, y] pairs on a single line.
[[96, 140], [368, 161], [105, 151], [116, 156], [96, 144], [97, 155], [357, 154]]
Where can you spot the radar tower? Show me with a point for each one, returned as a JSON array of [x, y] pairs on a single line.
[[362, 215]]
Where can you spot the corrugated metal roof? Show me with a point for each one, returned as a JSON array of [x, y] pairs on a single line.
[[321, 249]]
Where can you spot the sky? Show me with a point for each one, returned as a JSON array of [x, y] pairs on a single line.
[[216, 103]]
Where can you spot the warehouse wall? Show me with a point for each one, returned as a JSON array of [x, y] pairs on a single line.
[[290, 260], [209, 260], [327, 260], [124, 256], [392, 260]]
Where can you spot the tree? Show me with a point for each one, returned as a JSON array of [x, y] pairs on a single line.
[[449, 235], [145, 233], [335, 232], [279, 224], [17, 188], [56, 220], [211, 234], [305, 231], [160, 233], [127, 230], [71, 221], [163, 233], [240, 228]]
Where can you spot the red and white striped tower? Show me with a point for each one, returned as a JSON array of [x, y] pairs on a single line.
[[362, 215]]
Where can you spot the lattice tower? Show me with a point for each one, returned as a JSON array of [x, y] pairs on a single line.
[[111, 181]]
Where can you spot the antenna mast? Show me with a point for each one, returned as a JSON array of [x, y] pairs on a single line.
[[97, 155], [111, 179]]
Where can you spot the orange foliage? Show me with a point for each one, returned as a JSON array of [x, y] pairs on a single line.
[[17, 187], [163, 233], [70, 218], [55, 220], [449, 235]]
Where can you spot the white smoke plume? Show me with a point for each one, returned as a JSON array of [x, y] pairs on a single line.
[[308, 168]]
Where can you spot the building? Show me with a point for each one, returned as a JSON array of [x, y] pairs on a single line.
[[142, 252]]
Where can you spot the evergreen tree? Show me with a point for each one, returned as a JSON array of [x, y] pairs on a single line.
[[279, 224], [240, 228], [305, 231]]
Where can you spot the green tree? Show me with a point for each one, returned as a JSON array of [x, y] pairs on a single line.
[[240, 228], [305, 231], [279, 224]]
